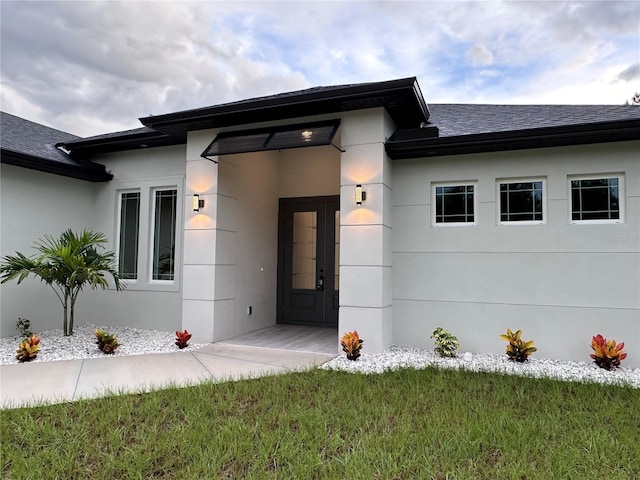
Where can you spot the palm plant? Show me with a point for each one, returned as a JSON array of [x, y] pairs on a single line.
[[67, 264]]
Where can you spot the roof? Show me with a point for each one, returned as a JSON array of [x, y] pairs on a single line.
[[469, 119], [134, 139], [472, 128], [28, 144], [401, 98], [423, 131]]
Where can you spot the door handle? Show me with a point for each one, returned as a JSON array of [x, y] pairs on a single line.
[[320, 283]]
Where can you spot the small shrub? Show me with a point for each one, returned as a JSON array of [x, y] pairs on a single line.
[[182, 338], [28, 349], [518, 350], [107, 342], [607, 354], [24, 327], [446, 343], [351, 345]]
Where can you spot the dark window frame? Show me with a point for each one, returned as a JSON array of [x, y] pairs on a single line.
[[584, 190], [519, 193], [444, 198]]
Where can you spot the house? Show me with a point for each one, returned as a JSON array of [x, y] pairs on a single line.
[[352, 207]]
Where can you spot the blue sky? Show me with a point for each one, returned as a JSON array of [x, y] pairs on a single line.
[[93, 67]]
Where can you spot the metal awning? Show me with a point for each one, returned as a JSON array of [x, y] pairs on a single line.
[[272, 138]]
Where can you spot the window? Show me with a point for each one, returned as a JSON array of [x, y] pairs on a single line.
[[148, 219], [596, 199], [522, 201], [164, 234], [454, 204], [129, 232]]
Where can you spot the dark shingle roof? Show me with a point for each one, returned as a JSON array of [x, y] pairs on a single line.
[[29, 138], [468, 119], [467, 128], [401, 98], [32, 145]]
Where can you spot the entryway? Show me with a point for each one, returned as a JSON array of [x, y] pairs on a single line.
[[308, 261], [299, 338]]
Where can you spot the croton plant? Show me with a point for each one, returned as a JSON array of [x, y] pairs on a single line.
[[351, 344], [607, 354]]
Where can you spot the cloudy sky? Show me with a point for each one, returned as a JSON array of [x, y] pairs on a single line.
[[91, 67]]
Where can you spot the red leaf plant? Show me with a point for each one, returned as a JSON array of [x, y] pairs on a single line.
[[606, 353], [351, 345], [182, 339]]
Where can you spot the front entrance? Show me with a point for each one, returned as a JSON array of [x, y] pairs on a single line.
[[308, 259]]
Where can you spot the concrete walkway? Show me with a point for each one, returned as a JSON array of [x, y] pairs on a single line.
[[68, 380]]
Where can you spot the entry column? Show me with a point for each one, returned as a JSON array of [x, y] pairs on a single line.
[[366, 230], [200, 237]]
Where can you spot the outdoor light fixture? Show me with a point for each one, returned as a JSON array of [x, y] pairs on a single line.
[[360, 195], [197, 203]]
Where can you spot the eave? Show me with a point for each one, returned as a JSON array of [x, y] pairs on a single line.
[[403, 145], [91, 172], [135, 141], [401, 98]]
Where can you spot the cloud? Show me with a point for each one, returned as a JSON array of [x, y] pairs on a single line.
[[86, 66], [479, 56], [629, 74]]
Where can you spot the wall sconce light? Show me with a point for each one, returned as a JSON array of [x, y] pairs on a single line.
[[360, 195], [197, 203]]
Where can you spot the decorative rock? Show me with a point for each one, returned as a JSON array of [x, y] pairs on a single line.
[[395, 358], [82, 344]]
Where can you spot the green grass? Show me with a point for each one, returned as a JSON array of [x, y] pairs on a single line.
[[321, 424]]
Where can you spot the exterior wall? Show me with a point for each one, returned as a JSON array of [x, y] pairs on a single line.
[[231, 244], [144, 303], [308, 172], [560, 283], [365, 231], [34, 204]]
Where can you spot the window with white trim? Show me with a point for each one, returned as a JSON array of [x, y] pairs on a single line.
[[454, 204], [596, 199], [164, 234], [129, 235], [522, 201], [148, 219]]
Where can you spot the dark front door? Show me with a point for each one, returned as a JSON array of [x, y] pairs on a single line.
[[308, 258]]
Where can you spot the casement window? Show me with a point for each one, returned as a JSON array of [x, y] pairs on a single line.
[[455, 204], [596, 199], [129, 235], [522, 202], [164, 234]]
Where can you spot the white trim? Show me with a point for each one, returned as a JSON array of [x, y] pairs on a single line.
[[116, 240], [597, 176], [146, 188], [434, 185], [164, 284], [500, 181]]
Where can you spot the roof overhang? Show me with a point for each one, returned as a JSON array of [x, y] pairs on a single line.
[[401, 98], [405, 144], [88, 171], [273, 138], [120, 141]]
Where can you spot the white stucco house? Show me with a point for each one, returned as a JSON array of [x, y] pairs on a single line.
[[231, 218]]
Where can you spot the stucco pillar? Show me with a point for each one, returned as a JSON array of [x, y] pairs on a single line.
[[199, 244], [366, 230]]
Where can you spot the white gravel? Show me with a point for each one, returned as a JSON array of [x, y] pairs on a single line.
[[398, 357], [82, 344], [55, 346]]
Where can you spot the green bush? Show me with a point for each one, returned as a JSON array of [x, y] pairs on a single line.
[[446, 343]]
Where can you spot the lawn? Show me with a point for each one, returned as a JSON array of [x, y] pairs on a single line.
[[407, 424]]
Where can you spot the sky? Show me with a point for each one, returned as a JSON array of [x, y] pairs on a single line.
[[89, 67]]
